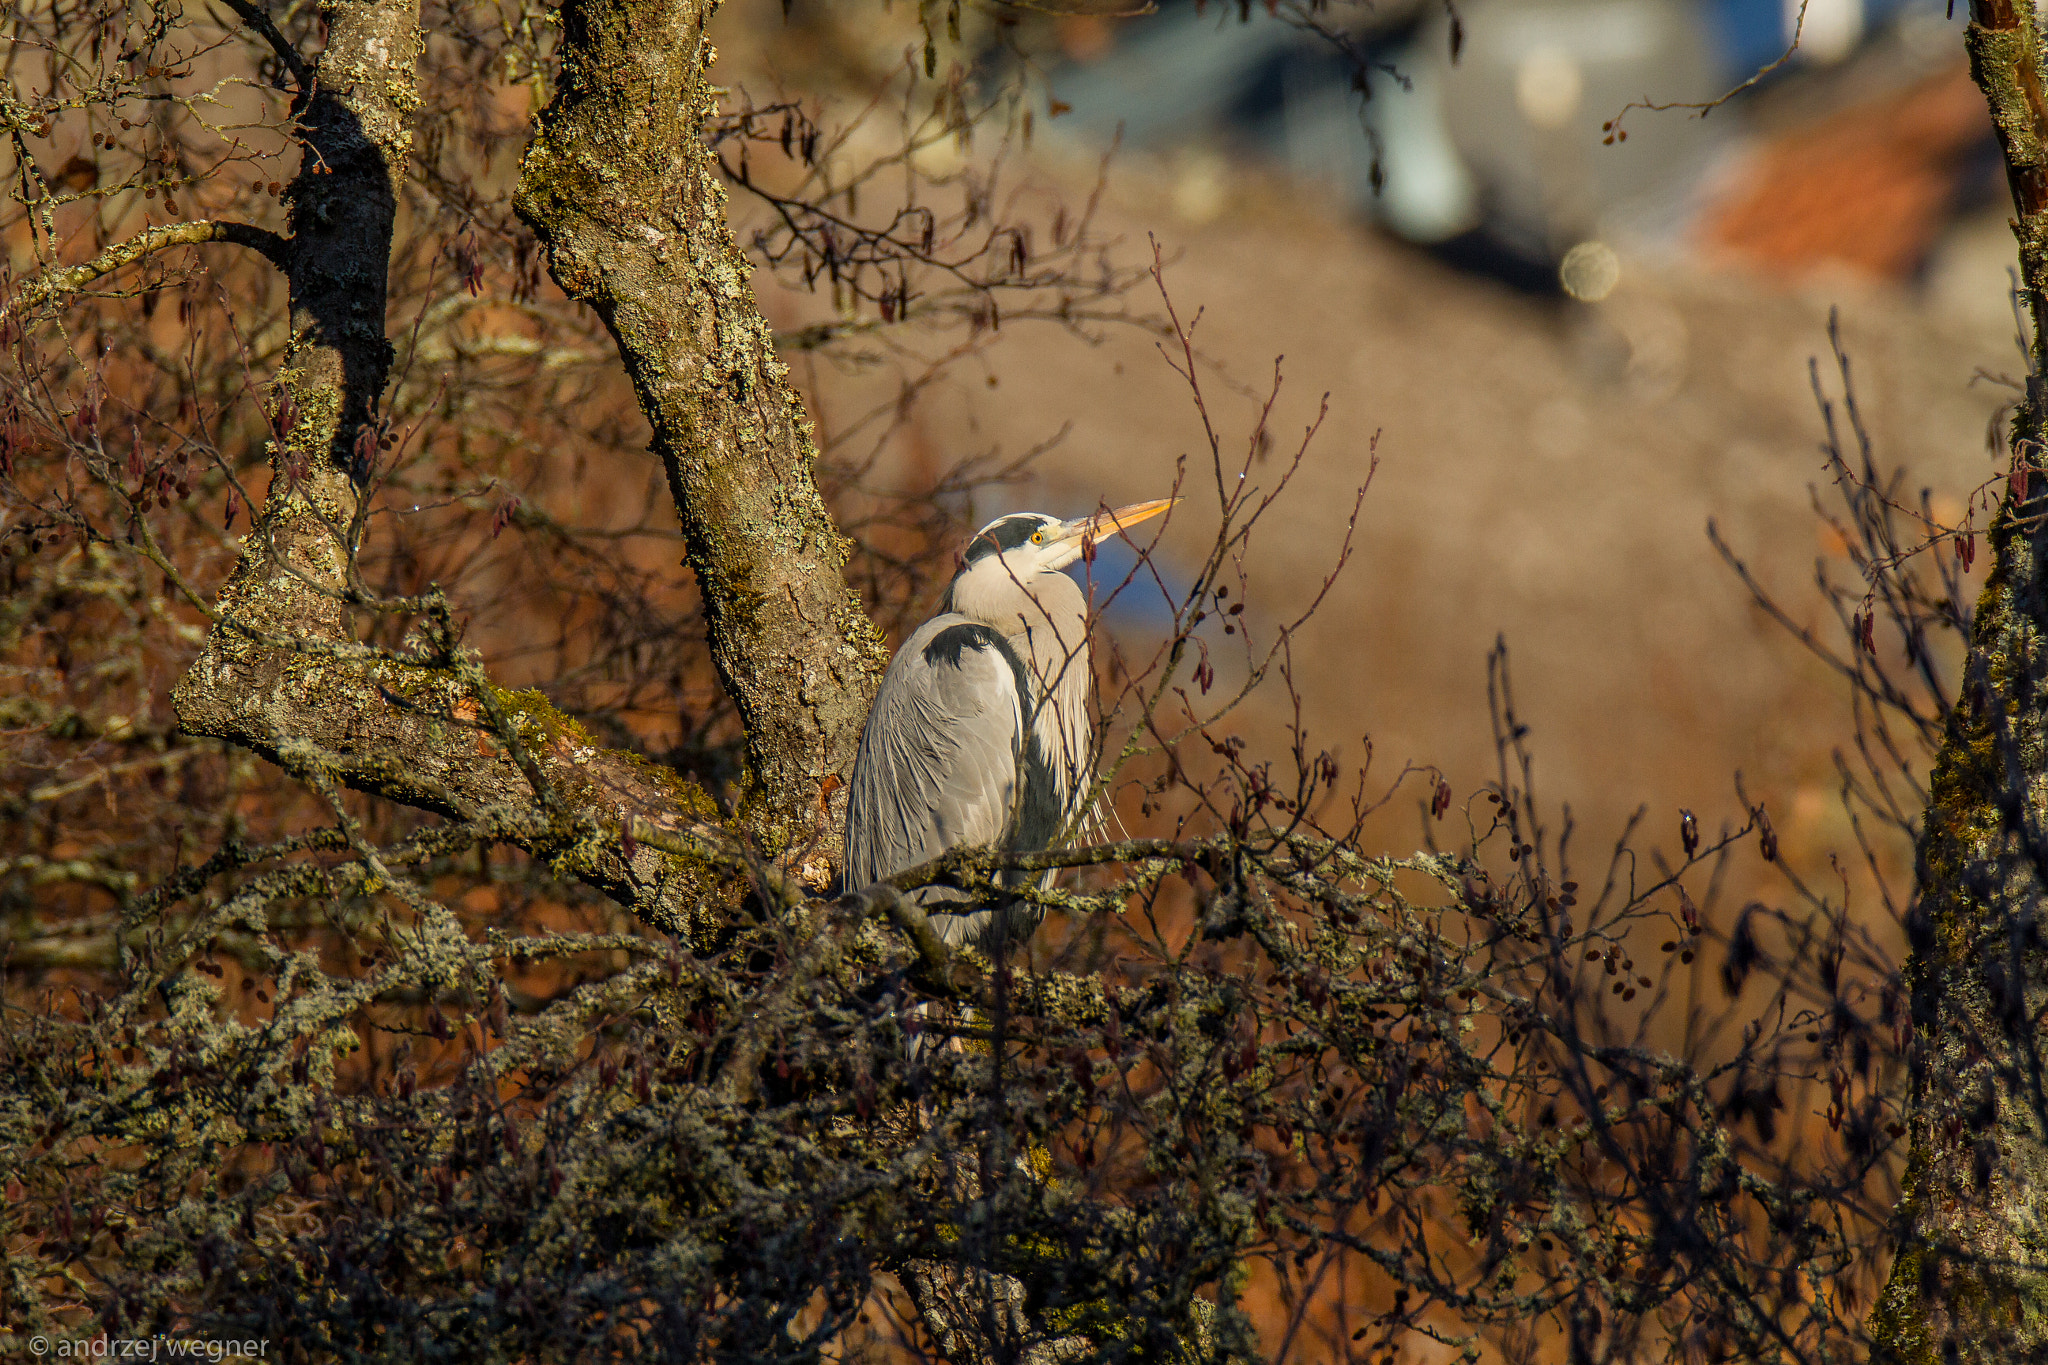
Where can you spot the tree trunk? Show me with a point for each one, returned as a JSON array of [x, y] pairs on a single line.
[[282, 673], [622, 189], [251, 685], [1970, 1280]]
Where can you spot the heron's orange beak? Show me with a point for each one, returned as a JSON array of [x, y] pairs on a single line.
[[1091, 529]]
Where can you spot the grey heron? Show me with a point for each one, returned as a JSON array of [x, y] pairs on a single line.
[[980, 733]]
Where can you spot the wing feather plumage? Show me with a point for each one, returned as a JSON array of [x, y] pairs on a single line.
[[942, 758]]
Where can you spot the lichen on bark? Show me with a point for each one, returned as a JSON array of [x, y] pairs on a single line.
[[1970, 1279], [622, 190]]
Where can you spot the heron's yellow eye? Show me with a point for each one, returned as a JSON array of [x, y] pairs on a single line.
[[1038, 537]]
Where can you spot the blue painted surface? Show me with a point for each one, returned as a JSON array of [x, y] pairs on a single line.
[[1753, 33], [1141, 605]]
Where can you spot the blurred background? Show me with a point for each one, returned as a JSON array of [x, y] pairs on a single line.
[[1573, 326]]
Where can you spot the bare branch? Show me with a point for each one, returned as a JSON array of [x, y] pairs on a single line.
[[258, 19], [1701, 108], [67, 280]]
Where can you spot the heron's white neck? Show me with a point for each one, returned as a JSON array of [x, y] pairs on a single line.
[[1045, 617], [1044, 609]]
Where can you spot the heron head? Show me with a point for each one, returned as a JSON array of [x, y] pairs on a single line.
[[1010, 552], [1025, 544]]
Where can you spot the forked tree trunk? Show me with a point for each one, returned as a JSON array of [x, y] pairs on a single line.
[[1970, 1281], [621, 187]]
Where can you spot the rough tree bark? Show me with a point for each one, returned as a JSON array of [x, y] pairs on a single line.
[[620, 186], [281, 673], [1970, 1281]]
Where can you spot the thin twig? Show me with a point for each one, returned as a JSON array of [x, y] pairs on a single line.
[[66, 280]]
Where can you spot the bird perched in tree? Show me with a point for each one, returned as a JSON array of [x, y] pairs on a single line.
[[980, 732]]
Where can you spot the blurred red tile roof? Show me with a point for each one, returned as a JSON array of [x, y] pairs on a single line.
[[1870, 187]]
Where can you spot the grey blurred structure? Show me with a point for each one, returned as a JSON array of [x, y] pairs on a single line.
[[1500, 158], [1526, 105]]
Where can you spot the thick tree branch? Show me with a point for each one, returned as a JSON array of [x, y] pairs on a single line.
[[277, 667], [621, 188], [257, 18], [281, 664], [2006, 60], [56, 284], [419, 736], [1970, 1281]]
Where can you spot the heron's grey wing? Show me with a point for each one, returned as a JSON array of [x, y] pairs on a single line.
[[939, 759]]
